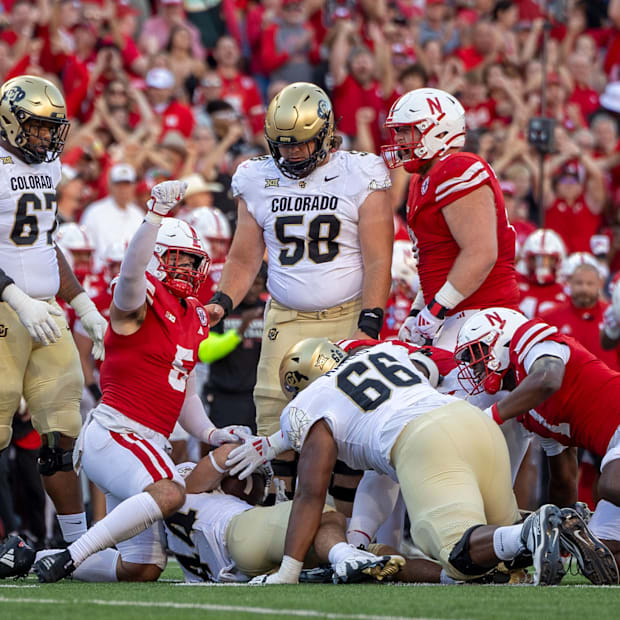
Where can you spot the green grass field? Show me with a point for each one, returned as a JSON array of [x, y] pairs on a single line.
[[171, 599]]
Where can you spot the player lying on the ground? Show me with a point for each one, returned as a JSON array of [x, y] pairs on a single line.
[[376, 410], [220, 534], [560, 391]]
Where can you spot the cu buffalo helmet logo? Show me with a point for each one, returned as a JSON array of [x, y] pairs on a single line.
[[14, 94], [323, 109], [293, 378]]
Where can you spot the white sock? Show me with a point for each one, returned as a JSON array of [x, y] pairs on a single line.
[[72, 526], [358, 538], [342, 551], [99, 567], [446, 580], [507, 541], [129, 518]]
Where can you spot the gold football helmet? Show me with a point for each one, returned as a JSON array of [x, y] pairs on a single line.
[[301, 113], [306, 361], [33, 118]]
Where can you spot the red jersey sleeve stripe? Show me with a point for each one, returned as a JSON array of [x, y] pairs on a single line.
[[532, 336], [467, 175], [479, 179]]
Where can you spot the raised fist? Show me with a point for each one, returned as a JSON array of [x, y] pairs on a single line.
[[165, 195]]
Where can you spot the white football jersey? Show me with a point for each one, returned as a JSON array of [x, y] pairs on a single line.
[[310, 225], [196, 534], [367, 401], [27, 224]]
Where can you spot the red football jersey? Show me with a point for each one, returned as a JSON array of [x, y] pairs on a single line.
[[584, 325], [584, 411], [455, 176], [144, 374], [575, 224], [537, 298]]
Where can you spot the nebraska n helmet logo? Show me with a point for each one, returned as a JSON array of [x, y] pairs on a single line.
[[495, 319], [434, 105]]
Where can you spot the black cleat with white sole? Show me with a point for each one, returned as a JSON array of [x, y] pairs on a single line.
[[16, 557], [320, 574], [52, 568], [541, 536], [596, 562]]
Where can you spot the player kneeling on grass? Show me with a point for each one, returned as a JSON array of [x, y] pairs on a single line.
[[375, 409]]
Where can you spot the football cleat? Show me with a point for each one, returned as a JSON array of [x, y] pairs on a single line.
[[359, 567], [596, 562], [541, 536], [16, 557], [52, 568], [320, 574]]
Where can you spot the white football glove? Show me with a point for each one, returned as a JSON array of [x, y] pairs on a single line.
[[37, 316], [288, 573], [254, 452], [275, 579], [228, 434], [426, 327], [165, 195], [94, 324], [610, 323], [406, 329]]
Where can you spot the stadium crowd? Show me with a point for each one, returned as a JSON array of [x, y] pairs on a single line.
[[166, 90]]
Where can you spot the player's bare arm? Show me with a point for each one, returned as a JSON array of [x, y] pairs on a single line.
[[209, 471], [544, 379], [69, 285], [242, 264], [376, 232], [563, 470], [472, 220], [316, 464]]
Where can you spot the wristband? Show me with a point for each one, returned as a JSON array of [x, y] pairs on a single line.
[[217, 468], [4, 282], [499, 421], [414, 312], [153, 218], [222, 299], [437, 310], [448, 296], [371, 321]]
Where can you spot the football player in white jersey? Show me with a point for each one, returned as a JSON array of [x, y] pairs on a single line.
[[376, 410], [38, 358], [324, 217]]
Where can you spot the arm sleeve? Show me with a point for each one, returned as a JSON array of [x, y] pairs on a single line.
[[218, 346], [130, 290], [193, 417], [550, 446], [547, 347]]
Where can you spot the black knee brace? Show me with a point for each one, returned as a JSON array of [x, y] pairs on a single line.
[[460, 558], [344, 494], [53, 458]]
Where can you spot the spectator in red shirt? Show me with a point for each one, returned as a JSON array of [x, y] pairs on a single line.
[[483, 50], [581, 316], [174, 116], [288, 46], [575, 197], [361, 78], [236, 88], [583, 94], [517, 212]]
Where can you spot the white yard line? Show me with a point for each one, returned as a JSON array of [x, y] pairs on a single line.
[[304, 613]]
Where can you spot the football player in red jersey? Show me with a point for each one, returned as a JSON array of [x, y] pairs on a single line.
[[456, 215], [565, 395], [543, 253], [156, 326]]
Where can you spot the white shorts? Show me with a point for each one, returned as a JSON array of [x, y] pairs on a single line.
[[147, 547], [605, 522], [124, 464], [613, 449]]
